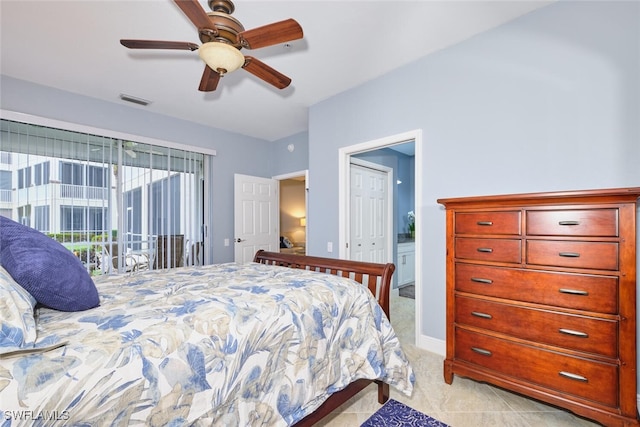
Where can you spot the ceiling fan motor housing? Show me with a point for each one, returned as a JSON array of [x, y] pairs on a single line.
[[225, 29]]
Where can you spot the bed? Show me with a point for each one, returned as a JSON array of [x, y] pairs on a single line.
[[274, 342]]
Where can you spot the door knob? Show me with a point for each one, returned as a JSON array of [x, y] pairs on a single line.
[[238, 240]]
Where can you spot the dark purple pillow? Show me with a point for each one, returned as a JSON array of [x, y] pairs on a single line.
[[47, 270]]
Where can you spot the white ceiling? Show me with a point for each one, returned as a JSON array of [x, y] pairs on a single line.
[[74, 46]]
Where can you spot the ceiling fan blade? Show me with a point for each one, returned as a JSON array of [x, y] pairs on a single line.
[[266, 73], [195, 13], [209, 81], [267, 35], [158, 44]]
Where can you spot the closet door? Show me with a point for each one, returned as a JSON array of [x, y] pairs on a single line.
[[369, 217]]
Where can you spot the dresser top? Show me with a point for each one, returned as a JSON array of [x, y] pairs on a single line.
[[609, 195]]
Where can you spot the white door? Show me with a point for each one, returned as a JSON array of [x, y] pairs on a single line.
[[256, 216], [369, 217]]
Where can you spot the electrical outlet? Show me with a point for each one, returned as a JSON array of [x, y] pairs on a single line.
[[329, 246]]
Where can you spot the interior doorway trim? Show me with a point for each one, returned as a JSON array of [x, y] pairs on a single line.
[[344, 160], [295, 175]]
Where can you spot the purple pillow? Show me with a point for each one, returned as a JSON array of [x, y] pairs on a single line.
[[47, 270]]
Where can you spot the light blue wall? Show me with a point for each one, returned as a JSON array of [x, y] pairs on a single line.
[[235, 153], [286, 161], [547, 102], [406, 191]]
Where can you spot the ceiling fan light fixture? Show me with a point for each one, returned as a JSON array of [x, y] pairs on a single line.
[[221, 57]]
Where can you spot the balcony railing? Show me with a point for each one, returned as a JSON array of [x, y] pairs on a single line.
[[82, 192]]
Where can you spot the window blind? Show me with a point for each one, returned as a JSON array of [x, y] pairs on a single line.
[[138, 204]]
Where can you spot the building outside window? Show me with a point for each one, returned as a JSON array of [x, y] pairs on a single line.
[[42, 218]]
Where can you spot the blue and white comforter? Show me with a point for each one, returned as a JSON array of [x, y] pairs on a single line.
[[225, 345]]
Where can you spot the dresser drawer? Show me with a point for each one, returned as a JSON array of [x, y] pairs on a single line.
[[496, 250], [506, 223], [587, 222], [577, 291], [594, 255], [579, 377], [579, 333]]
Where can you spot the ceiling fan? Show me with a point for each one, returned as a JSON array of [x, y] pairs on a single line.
[[222, 37]]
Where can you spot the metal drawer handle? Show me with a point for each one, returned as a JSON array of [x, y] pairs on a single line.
[[483, 315], [573, 333], [480, 280], [481, 351], [486, 250], [484, 223], [569, 222], [569, 254], [573, 292], [573, 376]]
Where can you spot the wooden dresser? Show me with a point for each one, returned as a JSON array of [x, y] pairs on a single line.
[[541, 297]]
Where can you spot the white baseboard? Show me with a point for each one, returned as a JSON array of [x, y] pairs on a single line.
[[433, 345], [425, 342]]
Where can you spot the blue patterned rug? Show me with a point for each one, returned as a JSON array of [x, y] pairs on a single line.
[[396, 414]]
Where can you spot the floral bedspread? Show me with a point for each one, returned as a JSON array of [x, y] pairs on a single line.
[[223, 345]]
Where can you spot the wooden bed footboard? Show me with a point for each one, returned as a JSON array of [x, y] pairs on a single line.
[[377, 277]]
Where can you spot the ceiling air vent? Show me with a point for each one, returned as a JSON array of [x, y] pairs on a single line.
[[134, 99]]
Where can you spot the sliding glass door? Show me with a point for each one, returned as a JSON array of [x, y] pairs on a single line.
[[118, 205]]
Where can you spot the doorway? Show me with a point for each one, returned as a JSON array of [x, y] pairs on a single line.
[[345, 157], [293, 212]]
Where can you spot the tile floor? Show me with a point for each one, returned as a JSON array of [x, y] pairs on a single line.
[[465, 403]]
